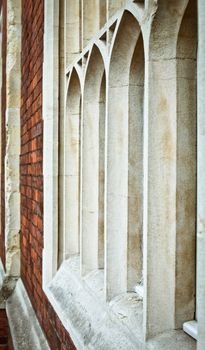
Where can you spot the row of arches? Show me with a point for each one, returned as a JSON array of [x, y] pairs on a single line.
[[130, 163], [85, 160], [83, 19]]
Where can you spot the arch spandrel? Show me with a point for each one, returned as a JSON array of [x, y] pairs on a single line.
[[95, 67]]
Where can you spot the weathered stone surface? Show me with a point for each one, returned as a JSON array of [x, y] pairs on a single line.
[[24, 326], [95, 324], [148, 53], [12, 190]]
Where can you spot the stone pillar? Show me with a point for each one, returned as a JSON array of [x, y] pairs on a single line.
[[62, 89], [167, 236], [50, 139], [91, 161], [13, 85], [72, 166], [201, 178]]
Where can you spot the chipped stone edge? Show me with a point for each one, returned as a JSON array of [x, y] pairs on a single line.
[[13, 92], [2, 273], [25, 329], [190, 328]]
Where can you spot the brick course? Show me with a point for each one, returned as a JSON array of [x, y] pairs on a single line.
[[31, 177]]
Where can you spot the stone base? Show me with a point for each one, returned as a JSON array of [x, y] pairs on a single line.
[[25, 330], [95, 324]]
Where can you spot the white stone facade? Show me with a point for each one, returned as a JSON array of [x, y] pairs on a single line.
[[121, 178]]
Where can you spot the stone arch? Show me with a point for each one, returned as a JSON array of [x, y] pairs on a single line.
[[93, 130], [161, 143], [120, 266], [72, 166], [168, 17]]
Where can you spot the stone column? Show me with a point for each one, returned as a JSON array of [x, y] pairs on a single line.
[[201, 178], [91, 160], [50, 138], [62, 88], [72, 166], [168, 239], [12, 191]]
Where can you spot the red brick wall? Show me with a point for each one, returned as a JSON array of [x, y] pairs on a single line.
[[5, 338], [3, 144], [31, 173], [3, 330]]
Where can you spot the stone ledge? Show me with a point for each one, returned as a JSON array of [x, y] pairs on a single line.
[[25, 330], [94, 324]]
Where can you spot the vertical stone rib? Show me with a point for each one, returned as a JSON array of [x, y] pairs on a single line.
[[201, 177], [12, 193]]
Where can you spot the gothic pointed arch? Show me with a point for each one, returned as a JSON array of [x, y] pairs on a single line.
[[125, 158]]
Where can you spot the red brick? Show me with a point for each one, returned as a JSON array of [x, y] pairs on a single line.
[[31, 176]]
